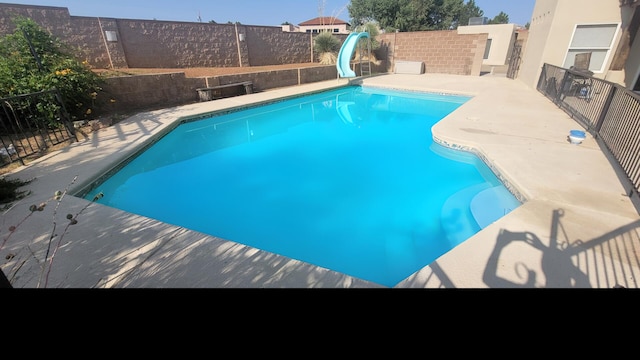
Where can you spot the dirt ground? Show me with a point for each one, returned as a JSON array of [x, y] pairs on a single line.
[[203, 71]]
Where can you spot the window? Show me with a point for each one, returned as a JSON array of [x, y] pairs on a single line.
[[336, 30], [315, 31], [487, 49], [594, 39]]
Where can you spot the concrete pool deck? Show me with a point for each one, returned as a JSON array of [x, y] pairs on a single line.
[[576, 228]]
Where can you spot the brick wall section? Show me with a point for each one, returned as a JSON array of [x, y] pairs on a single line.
[[82, 34], [150, 43], [90, 43], [146, 91], [55, 19], [162, 44], [140, 92], [315, 74], [269, 46], [445, 52], [265, 80]]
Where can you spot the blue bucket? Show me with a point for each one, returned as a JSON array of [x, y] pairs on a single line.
[[577, 133]]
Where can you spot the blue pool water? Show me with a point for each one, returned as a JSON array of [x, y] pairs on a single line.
[[348, 179]]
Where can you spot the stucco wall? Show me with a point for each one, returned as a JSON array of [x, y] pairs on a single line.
[[502, 39], [552, 27]]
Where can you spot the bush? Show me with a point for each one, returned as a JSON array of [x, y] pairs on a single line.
[[32, 60], [9, 190], [325, 42]]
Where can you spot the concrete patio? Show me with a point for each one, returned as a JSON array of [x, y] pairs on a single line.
[[576, 228]]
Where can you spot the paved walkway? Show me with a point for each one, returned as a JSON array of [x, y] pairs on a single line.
[[575, 229]]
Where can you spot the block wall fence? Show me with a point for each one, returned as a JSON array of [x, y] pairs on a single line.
[[110, 43]]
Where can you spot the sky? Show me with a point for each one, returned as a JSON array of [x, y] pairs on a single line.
[[247, 12]]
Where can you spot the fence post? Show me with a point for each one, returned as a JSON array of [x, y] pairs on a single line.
[[64, 115]]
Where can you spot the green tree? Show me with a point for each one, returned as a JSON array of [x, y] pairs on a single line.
[[501, 18], [32, 60], [407, 15], [373, 29], [469, 11]]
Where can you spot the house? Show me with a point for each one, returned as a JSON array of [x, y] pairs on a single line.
[[324, 23], [602, 31]]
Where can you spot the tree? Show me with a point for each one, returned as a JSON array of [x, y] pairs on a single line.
[[501, 18], [407, 15], [469, 11], [32, 60], [373, 30]]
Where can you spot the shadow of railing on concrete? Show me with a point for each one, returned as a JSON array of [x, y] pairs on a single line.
[[608, 261]]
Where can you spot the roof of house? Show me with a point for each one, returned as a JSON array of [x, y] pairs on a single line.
[[324, 20]]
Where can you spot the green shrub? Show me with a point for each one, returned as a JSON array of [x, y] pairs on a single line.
[[32, 60], [325, 42], [9, 190]]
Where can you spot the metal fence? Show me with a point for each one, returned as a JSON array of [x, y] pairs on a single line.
[[608, 111], [32, 123]]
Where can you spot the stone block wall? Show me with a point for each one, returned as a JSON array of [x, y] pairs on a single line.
[[54, 19], [130, 93], [162, 44], [445, 52], [165, 44], [269, 46], [171, 44], [86, 35]]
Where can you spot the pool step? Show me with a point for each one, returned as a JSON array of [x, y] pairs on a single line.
[[491, 204], [474, 208], [456, 217]]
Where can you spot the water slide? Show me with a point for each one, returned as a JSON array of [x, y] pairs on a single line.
[[346, 52]]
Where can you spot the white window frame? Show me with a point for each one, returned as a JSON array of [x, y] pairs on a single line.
[[487, 49], [586, 49]]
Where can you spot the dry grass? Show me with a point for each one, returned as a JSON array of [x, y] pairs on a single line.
[[328, 58]]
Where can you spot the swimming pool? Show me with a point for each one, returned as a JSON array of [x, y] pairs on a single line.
[[348, 179]]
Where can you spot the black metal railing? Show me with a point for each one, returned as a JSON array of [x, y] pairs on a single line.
[[608, 111], [32, 123]]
